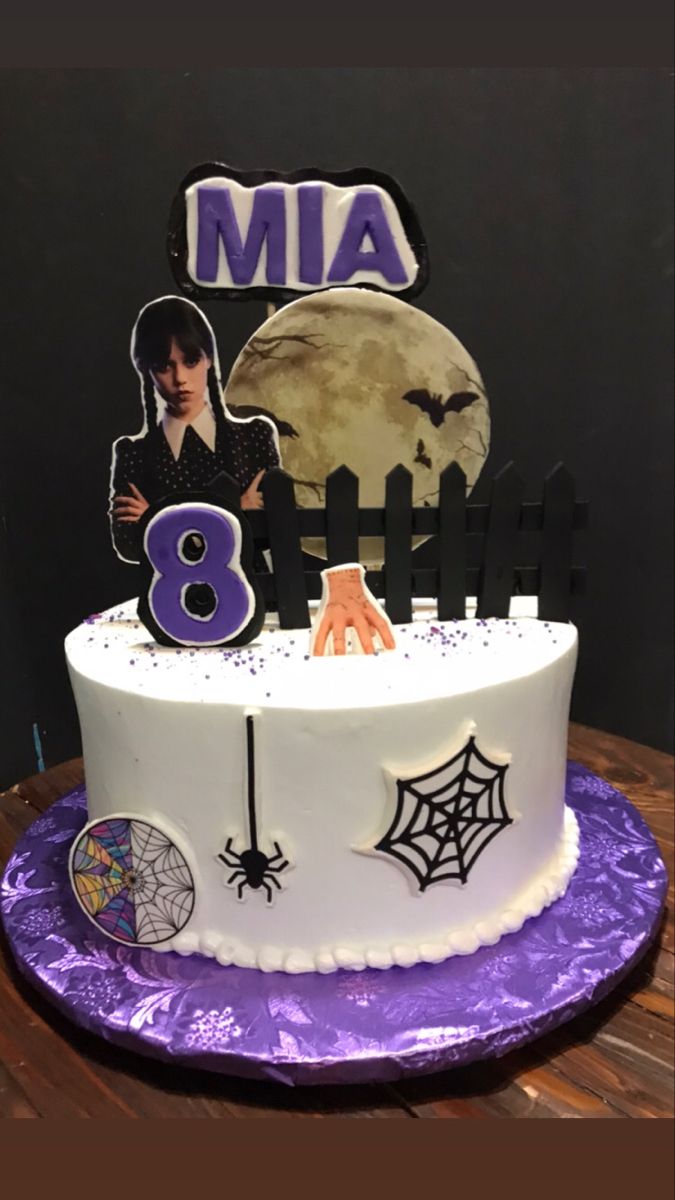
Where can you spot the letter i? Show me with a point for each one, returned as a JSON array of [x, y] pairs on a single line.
[[310, 233]]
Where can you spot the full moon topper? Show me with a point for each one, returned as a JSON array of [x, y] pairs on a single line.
[[269, 235], [358, 377]]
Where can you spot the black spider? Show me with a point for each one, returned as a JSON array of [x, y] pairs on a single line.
[[256, 869], [253, 868]]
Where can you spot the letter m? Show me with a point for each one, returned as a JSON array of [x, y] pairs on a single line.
[[217, 222]]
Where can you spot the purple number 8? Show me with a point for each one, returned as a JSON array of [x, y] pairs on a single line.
[[219, 567]]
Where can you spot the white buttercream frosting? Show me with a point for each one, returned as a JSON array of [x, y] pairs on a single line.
[[163, 737], [432, 659]]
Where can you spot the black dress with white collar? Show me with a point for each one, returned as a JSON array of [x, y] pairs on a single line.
[[242, 449]]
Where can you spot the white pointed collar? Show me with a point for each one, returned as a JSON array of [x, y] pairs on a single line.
[[204, 425]]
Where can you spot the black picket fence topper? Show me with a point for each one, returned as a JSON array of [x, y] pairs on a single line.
[[492, 551]]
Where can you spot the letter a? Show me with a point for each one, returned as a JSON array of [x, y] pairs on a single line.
[[367, 218]]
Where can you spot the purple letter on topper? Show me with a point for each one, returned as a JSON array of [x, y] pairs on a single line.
[[310, 232], [217, 220], [367, 218]]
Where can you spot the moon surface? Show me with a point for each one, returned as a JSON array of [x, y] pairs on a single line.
[[333, 370]]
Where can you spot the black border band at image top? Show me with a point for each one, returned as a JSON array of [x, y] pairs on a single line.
[[177, 244]]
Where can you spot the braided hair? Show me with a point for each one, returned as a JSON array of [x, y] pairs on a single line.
[[149, 400], [165, 320], [216, 398]]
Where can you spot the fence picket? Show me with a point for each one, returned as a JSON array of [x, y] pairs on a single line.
[[342, 516], [499, 551], [556, 546], [398, 545], [283, 529], [452, 543]]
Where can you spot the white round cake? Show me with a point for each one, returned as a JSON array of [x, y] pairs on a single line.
[[319, 813]]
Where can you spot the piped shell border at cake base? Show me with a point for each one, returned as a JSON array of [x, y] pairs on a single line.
[[550, 886]]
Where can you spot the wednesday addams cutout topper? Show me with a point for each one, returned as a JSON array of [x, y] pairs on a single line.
[[268, 235], [188, 437]]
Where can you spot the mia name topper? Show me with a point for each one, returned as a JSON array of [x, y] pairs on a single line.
[[268, 235]]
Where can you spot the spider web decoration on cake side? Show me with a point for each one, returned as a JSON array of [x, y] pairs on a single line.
[[131, 880], [447, 815]]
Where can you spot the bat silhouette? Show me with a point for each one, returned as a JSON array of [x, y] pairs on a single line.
[[421, 455], [433, 404], [284, 428]]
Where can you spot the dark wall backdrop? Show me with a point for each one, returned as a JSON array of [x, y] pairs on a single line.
[[545, 196]]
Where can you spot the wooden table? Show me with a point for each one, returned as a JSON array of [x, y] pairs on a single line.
[[614, 1061]]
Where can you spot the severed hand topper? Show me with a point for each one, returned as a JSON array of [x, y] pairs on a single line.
[[348, 605]]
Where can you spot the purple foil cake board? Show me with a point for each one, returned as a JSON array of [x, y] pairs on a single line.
[[348, 1027]]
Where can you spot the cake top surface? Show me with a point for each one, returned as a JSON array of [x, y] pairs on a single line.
[[432, 658]]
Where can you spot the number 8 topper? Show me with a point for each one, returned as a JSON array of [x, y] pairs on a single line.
[[198, 586]]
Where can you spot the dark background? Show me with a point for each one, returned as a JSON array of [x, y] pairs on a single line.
[[545, 196]]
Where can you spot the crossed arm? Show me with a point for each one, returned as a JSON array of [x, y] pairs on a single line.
[[129, 509]]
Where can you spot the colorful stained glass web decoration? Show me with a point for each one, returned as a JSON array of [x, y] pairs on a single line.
[[446, 817], [131, 880]]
